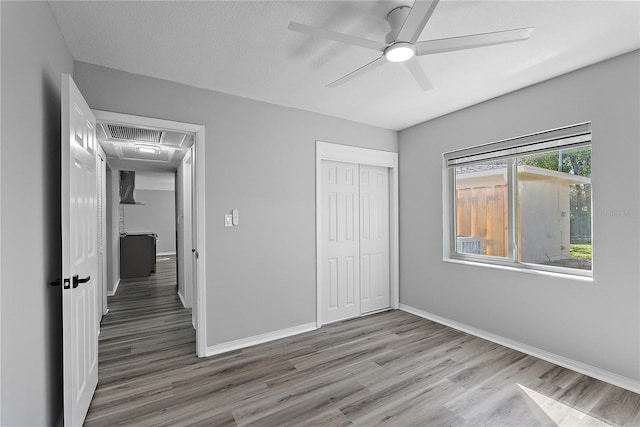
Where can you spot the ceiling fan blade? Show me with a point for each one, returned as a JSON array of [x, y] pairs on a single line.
[[418, 73], [338, 37], [430, 47], [360, 71], [414, 24]]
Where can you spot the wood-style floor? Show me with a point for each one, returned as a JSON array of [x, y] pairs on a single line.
[[391, 368]]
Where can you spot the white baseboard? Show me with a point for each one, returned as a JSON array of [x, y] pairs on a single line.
[[574, 365], [259, 339], [164, 253], [182, 299], [115, 289]]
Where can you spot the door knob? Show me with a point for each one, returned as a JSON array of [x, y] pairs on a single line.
[[77, 281]]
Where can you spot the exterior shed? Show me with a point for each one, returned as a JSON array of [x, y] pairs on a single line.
[[543, 215]]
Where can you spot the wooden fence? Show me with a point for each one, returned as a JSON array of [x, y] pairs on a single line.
[[484, 212]]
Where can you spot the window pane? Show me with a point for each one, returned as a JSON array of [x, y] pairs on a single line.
[[482, 209], [554, 208]]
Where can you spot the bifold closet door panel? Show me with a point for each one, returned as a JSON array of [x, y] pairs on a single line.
[[340, 274], [374, 238]]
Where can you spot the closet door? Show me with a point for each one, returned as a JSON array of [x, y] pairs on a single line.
[[340, 281], [374, 238]]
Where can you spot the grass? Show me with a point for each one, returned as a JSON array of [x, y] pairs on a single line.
[[580, 250]]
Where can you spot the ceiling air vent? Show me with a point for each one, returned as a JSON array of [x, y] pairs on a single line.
[[126, 133]]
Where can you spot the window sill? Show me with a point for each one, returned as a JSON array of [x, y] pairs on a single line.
[[521, 269]]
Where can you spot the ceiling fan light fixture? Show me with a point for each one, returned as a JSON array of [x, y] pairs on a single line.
[[147, 149], [400, 52]]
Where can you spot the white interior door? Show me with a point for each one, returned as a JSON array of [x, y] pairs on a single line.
[[79, 253], [374, 238], [340, 287]]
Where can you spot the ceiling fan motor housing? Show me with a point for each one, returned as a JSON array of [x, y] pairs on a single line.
[[401, 42], [396, 19]]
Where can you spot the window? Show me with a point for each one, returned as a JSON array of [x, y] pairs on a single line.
[[524, 201]]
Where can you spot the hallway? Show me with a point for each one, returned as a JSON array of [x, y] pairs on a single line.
[[146, 332]]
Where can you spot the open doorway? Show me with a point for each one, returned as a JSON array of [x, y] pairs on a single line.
[[151, 220]]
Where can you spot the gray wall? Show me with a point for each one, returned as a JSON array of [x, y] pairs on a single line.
[[155, 214], [595, 323], [33, 57], [260, 159]]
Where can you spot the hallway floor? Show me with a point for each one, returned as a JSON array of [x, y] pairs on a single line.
[[146, 332]]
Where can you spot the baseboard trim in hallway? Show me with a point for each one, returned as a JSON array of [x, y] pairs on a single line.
[[259, 339], [182, 300], [115, 289]]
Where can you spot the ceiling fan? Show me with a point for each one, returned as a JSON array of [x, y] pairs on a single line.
[[401, 43]]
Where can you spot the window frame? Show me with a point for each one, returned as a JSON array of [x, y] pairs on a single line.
[[551, 141]]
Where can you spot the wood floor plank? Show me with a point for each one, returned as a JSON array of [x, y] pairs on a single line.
[[424, 408], [390, 368]]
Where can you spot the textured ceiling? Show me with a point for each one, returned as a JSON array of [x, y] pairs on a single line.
[[244, 48]]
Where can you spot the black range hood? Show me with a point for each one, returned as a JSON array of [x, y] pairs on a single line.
[[127, 187]]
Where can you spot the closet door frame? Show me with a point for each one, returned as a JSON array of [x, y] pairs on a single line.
[[364, 156]]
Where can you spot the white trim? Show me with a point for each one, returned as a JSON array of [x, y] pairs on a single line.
[[101, 160], [165, 253], [350, 154], [200, 278], [1, 256], [574, 365], [199, 243], [182, 301], [519, 267], [115, 289], [259, 339], [365, 156]]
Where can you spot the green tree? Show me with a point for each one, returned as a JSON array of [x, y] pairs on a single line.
[[576, 161]]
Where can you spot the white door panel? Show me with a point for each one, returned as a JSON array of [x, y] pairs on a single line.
[[374, 237], [340, 233], [79, 254], [355, 232]]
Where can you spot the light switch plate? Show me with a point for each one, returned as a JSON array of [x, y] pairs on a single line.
[[228, 220]]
